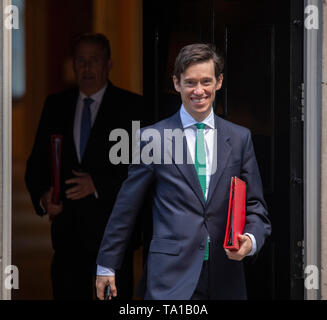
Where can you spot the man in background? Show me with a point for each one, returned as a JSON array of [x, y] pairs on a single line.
[[84, 117]]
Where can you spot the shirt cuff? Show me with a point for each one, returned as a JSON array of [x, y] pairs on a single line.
[[42, 207], [103, 271], [96, 194], [254, 244]]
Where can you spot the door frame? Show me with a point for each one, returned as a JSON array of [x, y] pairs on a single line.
[[312, 148], [5, 171]]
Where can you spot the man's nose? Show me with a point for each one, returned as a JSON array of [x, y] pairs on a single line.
[[87, 64], [199, 89]]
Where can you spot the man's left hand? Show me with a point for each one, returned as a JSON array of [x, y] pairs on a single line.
[[83, 186], [245, 248]]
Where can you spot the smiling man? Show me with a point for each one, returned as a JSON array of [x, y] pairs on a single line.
[[84, 116], [186, 258], [197, 86]]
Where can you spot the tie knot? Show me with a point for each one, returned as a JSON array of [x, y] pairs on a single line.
[[88, 101], [200, 125]]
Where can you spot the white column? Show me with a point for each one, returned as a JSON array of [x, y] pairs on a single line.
[[5, 148], [312, 141], [324, 156]]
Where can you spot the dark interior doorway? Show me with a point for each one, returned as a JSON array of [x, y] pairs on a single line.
[[262, 44]]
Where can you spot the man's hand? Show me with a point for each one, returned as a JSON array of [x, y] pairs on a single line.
[[243, 251], [50, 208], [102, 282], [83, 188]]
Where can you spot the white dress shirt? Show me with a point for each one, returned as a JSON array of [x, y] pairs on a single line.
[[94, 107], [190, 130]]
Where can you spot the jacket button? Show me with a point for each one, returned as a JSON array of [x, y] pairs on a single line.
[[201, 247], [207, 218]]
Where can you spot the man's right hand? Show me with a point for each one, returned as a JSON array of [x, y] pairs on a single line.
[[50, 208], [102, 282]]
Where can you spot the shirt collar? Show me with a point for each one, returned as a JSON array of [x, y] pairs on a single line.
[[97, 97], [187, 120]]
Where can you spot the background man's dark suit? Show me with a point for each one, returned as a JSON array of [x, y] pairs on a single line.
[[77, 231]]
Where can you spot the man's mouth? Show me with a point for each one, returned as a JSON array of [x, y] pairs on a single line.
[[88, 77], [199, 100]]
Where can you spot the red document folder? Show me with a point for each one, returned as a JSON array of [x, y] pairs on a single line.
[[236, 214], [56, 151]]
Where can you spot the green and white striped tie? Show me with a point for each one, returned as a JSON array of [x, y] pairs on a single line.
[[200, 167]]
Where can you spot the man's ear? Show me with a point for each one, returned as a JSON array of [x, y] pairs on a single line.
[[73, 64], [110, 65], [176, 84], [219, 82]]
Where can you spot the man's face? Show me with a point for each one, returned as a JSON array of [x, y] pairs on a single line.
[[197, 87], [91, 67]]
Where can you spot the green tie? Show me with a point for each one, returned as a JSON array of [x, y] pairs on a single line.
[[200, 167]]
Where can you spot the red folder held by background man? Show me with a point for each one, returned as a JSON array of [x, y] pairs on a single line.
[[236, 213]]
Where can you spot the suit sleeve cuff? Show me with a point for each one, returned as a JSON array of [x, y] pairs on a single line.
[[103, 271], [254, 244]]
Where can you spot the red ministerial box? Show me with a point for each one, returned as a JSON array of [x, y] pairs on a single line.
[[236, 213]]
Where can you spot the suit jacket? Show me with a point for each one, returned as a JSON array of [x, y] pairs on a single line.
[[82, 222], [182, 219]]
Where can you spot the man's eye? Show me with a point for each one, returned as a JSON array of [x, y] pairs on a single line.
[[207, 81], [190, 83]]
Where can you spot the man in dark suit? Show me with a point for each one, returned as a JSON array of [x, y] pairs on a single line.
[[84, 117], [186, 257]]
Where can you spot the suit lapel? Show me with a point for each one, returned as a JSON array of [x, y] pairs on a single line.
[[186, 169], [71, 105], [223, 150], [220, 160]]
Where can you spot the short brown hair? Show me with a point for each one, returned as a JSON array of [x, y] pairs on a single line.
[[196, 53], [95, 38]]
